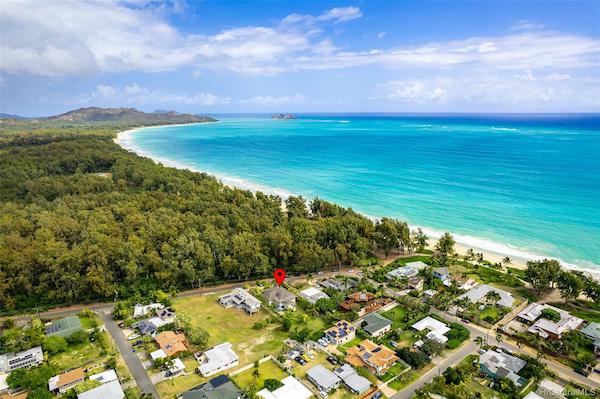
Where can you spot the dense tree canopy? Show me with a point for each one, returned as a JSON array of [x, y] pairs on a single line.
[[83, 219]]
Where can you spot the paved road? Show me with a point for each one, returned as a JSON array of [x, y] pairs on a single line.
[[426, 378], [133, 363], [490, 336]]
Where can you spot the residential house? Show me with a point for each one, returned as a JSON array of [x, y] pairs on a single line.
[[592, 331], [340, 333], [549, 389], [410, 269], [313, 294], [355, 383], [442, 274], [280, 298], [105, 376], [158, 354], [376, 325], [497, 364], [477, 294], [436, 329], [24, 359], [240, 299], [219, 387], [3, 384], [142, 310], [175, 367], [291, 389], [323, 378], [150, 326], [338, 285], [416, 283], [110, 390], [465, 283], [64, 327], [217, 359], [359, 298], [63, 382], [428, 294], [377, 358], [545, 328], [171, 343]]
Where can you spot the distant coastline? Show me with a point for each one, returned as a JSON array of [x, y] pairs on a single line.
[[492, 251]]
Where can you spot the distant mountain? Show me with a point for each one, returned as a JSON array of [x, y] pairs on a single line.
[[126, 115], [283, 116], [10, 116]]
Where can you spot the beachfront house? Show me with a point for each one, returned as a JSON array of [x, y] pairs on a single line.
[[240, 299], [592, 331], [313, 294], [538, 317], [325, 380], [442, 274], [341, 333], [220, 358], [376, 325], [477, 294], [409, 270]]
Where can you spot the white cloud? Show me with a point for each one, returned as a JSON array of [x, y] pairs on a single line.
[[137, 95], [546, 91], [296, 99], [381, 35], [77, 38]]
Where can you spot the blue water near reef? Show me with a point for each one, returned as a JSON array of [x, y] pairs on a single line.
[[521, 185]]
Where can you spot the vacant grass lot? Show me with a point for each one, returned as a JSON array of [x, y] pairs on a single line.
[[87, 353], [266, 370], [396, 315], [225, 325]]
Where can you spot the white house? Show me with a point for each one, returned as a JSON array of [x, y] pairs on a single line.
[[29, 358], [478, 293], [313, 294], [110, 390], [142, 310], [176, 366], [436, 329], [544, 327], [291, 389], [217, 359], [105, 376], [341, 333]]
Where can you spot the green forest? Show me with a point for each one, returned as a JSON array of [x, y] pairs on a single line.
[[82, 219]]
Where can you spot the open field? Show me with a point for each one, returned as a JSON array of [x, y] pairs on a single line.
[[266, 371]]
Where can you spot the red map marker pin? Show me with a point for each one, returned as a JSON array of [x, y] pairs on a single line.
[[279, 275]]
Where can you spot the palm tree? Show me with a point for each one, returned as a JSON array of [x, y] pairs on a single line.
[[506, 262], [479, 341]]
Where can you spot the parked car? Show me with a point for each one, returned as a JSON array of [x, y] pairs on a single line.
[[133, 336], [305, 357], [465, 321], [300, 360], [332, 360], [323, 394], [394, 343], [377, 395], [582, 372]]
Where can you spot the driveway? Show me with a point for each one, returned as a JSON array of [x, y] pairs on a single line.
[[133, 363]]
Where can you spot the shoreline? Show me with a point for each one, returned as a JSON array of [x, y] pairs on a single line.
[[492, 251]]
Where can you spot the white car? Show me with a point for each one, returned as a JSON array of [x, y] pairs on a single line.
[[323, 394], [133, 336]]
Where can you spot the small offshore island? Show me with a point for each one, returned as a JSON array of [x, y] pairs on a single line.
[[179, 267], [284, 116]]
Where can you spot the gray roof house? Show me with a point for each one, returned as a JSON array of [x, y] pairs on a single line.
[[443, 274], [376, 325], [64, 327], [323, 378], [110, 390], [478, 293], [240, 299], [356, 383], [592, 331], [280, 298], [24, 359], [497, 364], [219, 387]]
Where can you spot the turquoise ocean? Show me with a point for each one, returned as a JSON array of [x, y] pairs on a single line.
[[519, 185]]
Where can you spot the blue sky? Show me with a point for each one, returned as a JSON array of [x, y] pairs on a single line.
[[214, 57]]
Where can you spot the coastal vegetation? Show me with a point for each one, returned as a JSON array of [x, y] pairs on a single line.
[[82, 219]]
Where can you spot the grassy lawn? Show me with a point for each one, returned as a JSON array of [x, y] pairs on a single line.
[[234, 326], [396, 315], [343, 348], [84, 354], [87, 322], [392, 372], [405, 379], [172, 388], [266, 369], [320, 358]]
